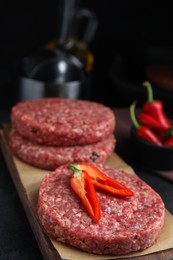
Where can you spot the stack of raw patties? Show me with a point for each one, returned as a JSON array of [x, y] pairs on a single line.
[[50, 132]]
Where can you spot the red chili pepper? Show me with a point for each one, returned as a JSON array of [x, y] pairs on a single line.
[[82, 185], [169, 142], [102, 181], [143, 132], [163, 135], [151, 122], [154, 108]]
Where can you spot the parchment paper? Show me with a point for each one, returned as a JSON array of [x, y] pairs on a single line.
[[31, 178]]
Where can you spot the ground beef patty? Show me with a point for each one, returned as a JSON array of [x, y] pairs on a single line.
[[126, 224], [49, 157], [63, 122]]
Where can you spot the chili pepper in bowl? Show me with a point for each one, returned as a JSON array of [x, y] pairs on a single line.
[[165, 134], [144, 132], [154, 108], [169, 142], [151, 122]]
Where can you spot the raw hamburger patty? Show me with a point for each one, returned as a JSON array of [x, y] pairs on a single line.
[[49, 157], [126, 224], [63, 122]]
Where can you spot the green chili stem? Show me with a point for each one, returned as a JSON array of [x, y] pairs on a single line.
[[150, 91], [74, 168], [133, 117]]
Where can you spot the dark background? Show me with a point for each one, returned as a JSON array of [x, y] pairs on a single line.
[[124, 28]]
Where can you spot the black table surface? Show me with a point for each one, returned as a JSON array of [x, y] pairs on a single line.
[[17, 240]]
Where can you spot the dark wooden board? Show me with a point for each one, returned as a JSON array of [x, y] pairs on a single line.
[[48, 250]]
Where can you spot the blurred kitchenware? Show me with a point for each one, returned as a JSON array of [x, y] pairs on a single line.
[[51, 73], [62, 67], [76, 28], [75, 22]]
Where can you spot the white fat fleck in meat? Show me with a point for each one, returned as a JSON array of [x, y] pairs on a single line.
[[109, 210]]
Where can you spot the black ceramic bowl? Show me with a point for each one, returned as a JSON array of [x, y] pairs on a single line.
[[151, 156]]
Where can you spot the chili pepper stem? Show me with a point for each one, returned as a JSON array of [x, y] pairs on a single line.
[[150, 91], [74, 168], [133, 117]]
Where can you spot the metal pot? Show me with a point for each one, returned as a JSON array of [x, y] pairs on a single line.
[[51, 73]]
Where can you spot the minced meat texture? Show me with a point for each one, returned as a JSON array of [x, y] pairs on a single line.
[[126, 225], [63, 122], [49, 157]]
